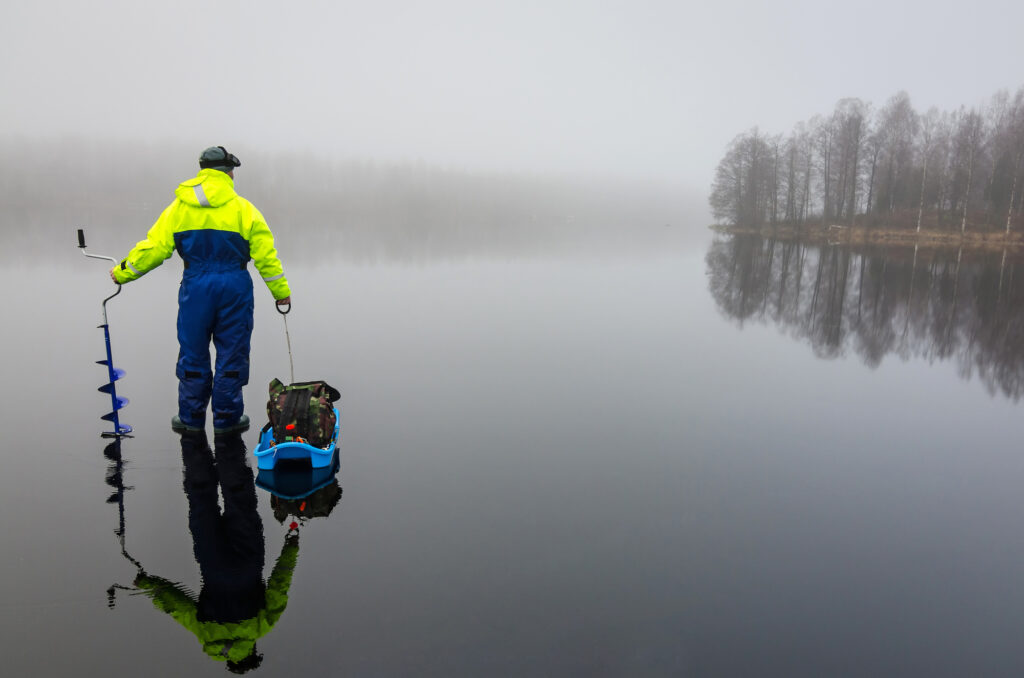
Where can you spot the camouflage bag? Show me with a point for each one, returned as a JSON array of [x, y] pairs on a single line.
[[302, 412]]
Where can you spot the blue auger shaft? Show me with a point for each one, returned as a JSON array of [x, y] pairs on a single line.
[[116, 402]]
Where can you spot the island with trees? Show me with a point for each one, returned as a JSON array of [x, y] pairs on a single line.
[[887, 175]]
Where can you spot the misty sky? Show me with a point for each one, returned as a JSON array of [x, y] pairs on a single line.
[[651, 90]]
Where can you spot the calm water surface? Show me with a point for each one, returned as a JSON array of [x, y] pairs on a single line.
[[663, 465]]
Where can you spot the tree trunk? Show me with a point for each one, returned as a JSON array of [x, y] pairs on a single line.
[[891, 180], [791, 187], [871, 181], [807, 189], [775, 187], [827, 180], [1013, 193], [967, 195], [920, 204], [853, 182]]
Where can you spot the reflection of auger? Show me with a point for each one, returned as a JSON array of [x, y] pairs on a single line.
[[115, 478], [116, 402]]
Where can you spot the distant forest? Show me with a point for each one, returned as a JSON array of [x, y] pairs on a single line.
[[890, 167], [323, 208]]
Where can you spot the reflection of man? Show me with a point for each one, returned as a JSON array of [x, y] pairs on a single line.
[[234, 607]]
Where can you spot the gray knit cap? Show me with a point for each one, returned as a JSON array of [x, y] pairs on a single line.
[[218, 158]]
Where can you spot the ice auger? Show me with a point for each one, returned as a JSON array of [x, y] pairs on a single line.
[[114, 374]]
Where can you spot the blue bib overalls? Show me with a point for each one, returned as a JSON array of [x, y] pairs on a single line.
[[215, 302]]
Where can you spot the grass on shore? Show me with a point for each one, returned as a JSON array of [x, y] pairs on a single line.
[[895, 231]]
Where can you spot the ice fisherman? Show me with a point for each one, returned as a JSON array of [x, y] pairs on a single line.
[[216, 232]]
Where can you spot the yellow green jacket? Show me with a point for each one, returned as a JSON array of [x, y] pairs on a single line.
[[225, 641], [210, 226]]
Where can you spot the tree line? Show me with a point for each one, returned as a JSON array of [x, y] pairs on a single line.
[[881, 167]]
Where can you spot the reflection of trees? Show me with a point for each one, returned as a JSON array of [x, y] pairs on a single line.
[[937, 305]]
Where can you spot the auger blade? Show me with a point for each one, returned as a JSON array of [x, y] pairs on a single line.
[[116, 374], [121, 402], [109, 387]]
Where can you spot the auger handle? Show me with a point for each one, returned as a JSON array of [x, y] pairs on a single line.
[[81, 246]]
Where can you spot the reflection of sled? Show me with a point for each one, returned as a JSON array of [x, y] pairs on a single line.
[[295, 480], [301, 492], [269, 452]]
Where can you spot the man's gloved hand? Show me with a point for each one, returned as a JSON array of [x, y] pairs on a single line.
[[112, 276], [287, 301]]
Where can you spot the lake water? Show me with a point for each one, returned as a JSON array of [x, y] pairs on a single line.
[[742, 458]]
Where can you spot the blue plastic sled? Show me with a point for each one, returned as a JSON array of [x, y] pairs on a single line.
[[268, 452], [296, 480]]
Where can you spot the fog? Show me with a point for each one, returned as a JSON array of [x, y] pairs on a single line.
[[342, 210], [653, 91]]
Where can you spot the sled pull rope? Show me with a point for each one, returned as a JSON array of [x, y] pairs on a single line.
[[287, 337]]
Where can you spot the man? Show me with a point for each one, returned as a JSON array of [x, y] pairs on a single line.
[[216, 232]]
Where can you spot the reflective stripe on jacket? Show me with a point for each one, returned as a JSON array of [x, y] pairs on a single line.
[[211, 226]]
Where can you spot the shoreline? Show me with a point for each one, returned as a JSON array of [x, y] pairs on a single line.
[[889, 237]]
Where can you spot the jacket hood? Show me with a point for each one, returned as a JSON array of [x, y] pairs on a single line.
[[216, 188], [229, 649]]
